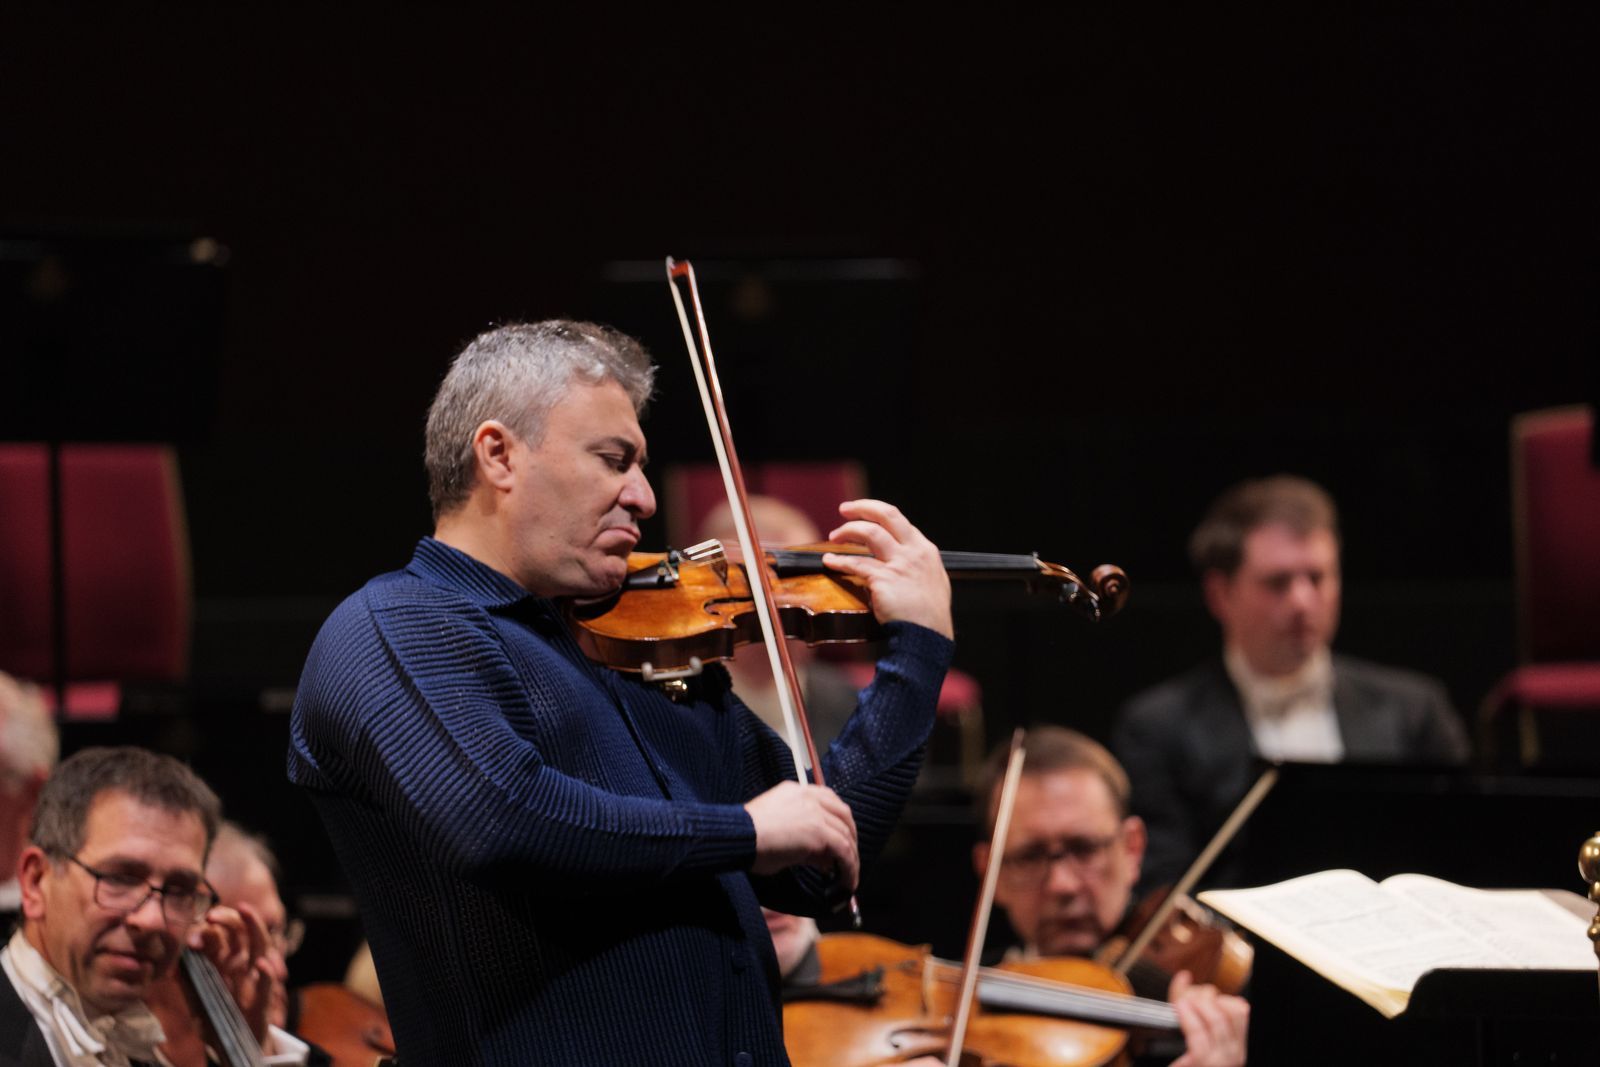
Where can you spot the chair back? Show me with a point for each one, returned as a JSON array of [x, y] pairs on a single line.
[[1556, 512]]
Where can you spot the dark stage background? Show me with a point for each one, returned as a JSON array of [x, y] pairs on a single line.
[[1054, 282]]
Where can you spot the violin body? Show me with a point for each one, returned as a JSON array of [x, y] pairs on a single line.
[[913, 1015], [706, 611], [352, 1030]]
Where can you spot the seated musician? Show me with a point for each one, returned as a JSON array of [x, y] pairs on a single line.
[[113, 888], [29, 748], [1068, 870], [242, 870]]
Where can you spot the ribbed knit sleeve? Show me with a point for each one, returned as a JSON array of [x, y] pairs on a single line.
[[409, 700]]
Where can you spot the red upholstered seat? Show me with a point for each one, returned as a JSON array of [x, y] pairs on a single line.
[[1556, 511], [125, 565], [25, 603]]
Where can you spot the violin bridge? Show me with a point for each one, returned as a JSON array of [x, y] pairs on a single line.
[[711, 552]]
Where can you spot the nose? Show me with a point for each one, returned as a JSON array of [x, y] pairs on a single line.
[[148, 915], [1064, 878], [1303, 592], [637, 496], [276, 965]]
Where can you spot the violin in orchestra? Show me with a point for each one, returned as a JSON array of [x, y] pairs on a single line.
[[676, 611], [877, 1001]]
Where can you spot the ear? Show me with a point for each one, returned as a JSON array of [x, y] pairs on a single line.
[[1134, 840], [1217, 586], [32, 867], [980, 858], [493, 445]]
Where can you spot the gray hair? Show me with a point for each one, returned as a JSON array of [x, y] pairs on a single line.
[[29, 744], [516, 374], [234, 848], [62, 815]]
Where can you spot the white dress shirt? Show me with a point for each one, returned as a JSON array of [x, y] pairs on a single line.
[[1291, 716]]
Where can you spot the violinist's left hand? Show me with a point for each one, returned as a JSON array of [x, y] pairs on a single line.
[[1216, 1027], [905, 575], [235, 939]]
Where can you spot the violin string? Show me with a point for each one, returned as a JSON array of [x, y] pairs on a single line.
[[1096, 1005], [239, 1045]]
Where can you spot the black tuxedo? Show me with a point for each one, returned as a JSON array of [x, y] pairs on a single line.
[[1189, 753], [21, 1040]]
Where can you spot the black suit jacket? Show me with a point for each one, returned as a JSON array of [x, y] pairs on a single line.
[[1190, 757], [21, 1040]]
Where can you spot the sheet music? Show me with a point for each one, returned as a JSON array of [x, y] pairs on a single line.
[[1358, 932]]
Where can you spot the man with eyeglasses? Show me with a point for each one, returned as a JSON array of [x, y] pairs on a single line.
[[1068, 869], [113, 889]]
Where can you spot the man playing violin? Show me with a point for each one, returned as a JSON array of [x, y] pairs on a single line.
[[1068, 870], [557, 863]]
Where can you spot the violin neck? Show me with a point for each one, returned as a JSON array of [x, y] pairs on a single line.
[[962, 565], [238, 1045]]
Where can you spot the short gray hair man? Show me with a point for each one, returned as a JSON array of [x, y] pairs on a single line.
[[495, 376]]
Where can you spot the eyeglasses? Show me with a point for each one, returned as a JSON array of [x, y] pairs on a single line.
[[1029, 868], [181, 905], [289, 938]]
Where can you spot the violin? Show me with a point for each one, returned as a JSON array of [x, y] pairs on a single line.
[[351, 1029], [1188, 939], [676, 611], [901, 1002]]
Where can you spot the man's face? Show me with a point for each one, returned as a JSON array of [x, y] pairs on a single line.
[[792, 936], [1282, 604], [246, 881], [1069, 863], [110, 958], [578, 495]]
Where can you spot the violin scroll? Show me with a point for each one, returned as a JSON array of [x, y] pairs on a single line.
[[1111, 586]]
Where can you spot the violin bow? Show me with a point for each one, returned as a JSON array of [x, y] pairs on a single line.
[[698, 341], [1202, 863], [991, 880]]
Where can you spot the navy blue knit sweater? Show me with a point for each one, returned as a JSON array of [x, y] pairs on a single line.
[[550, 857]]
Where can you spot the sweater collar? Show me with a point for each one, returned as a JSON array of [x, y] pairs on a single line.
[[438, 563]]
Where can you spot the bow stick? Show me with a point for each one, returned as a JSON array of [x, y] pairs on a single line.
[[991, 881], [698, 341]]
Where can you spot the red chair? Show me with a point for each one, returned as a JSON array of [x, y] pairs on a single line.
[[124, 562], [1556, 515]]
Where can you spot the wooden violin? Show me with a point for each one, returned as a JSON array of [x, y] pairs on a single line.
[[1188, 939], [679, 609], [349, 1027], [1037, 1013]]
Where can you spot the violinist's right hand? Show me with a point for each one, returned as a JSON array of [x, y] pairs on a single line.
[[804, 824]]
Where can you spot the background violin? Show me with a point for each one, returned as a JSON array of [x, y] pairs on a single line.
[[676, 608], [349, 1027], [1030, 1013], [1189, 939]]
